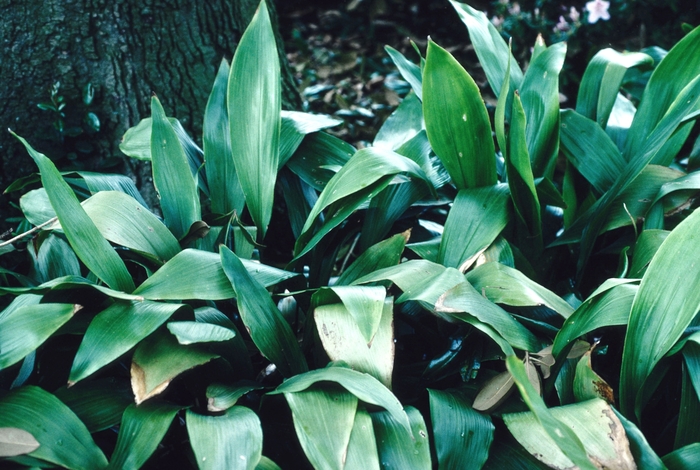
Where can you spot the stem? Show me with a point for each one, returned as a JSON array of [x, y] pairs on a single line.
[[28, 232]]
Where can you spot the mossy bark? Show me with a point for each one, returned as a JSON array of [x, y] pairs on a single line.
[[127, 50]]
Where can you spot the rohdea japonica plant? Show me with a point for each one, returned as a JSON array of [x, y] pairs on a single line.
[[468, 253]]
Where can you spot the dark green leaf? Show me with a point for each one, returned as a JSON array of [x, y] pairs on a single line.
[[98, 403], [399, 448]]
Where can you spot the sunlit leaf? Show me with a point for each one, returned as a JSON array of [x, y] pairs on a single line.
[[222, 397], [232, 440], [362, 448], [188, 332], [381, 255], [254, 106], [142, 428], [296, 125], [402, 125], [63, 438]]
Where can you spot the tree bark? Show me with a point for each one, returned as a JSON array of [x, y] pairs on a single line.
[[127, 50]]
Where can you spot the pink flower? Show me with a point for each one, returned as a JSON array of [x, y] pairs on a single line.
[[574, 14], [597, 10], [497, 21], [562, 25]]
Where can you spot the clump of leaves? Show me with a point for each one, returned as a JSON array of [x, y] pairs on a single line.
[[433, 273]]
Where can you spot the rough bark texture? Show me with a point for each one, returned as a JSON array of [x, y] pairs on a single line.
[[127, 50]]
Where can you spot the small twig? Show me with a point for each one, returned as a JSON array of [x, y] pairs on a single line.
[[347, 257], [28, 232]]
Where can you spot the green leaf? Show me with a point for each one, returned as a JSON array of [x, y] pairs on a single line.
[[172, 177], [384, 254], [362, 448], [157, 360], [409, 276], [225, 190], [343, 339], [63, 438], [141, 430], [492, 51], [254, 106], [609, 306], [684, 458], [679, 68], [27, 327], [399, 448], [83, 236], [402, 125], [363, 386], [645, 248], [222, 397], [369, 171], [296, 125], [232, 440], [98, 403], [560, 434], [591, 150], [318, 159], [644, 455], [55, 258], [540, 99], [409, 71], [463, 301], [666, 303], [687, 430], [601, 82], [456, 121], [15, 441], [188, 332], [234, 351], [97, 182], [502, 284], [364, 304], [176, 280], [592, 421], [462, 436], [477, 217], [323, 420], [267, 327], [116, 330], [589, 385]]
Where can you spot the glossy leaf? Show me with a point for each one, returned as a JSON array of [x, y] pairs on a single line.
[[592, 421], [683, 458], [222, 397], [158, 360], [172, 177], [476, 218], [399, 448], [402, 125], [26, 328], [589, 385], [344, 340], [232, 440], [254, 106], [664, 306], [561, 435], [464, 299], [225, 190], [116, 330], [98, 403], [188, 332], [364, 304], [363, 386], [296, 125], [362, 447], [85, 239], [502, 284], [63, 438], [319, 157], [325, 440], [492, 51], [462, 436], [409, 71], [381, 255], [142, 428], [175, 280], [268, 329], [456, 120], [601, 82]]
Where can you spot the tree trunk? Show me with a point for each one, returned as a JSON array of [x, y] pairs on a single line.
[[126, 50]]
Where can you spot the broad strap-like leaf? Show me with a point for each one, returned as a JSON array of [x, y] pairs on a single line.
[[403, 124], [492, 51], [409, 71], [462, 435], [254, 106], [116, 330], [323, 421], [224, 188], [63, 438], [15, 441], [87, 242], [384, 254], [476, 218], [267, 327], [362, 448], [231, 441], [601, 82], [142, 428], [665, 304], [295, 126], [456, 120], [172, 177], [399, 448]]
